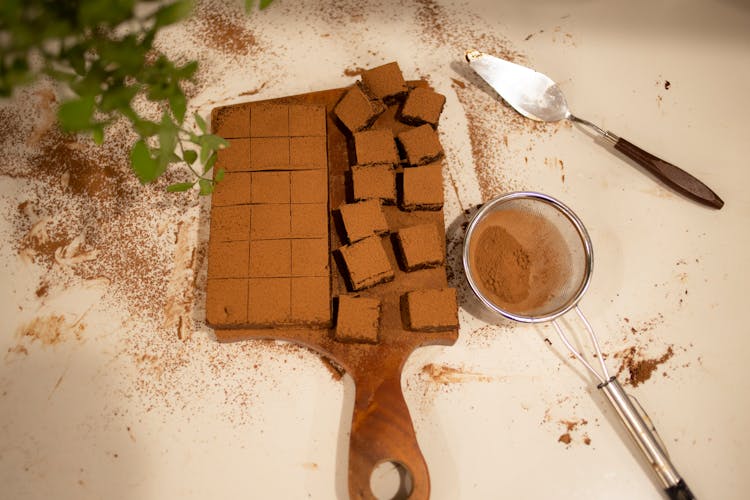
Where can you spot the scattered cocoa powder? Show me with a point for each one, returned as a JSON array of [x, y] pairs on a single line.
[[638, 369], [223, 29], [520, 260]]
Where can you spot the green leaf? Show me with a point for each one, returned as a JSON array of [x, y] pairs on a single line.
[[76, 114], [219, 175], [206, 186], [187, 71], [180, 186], [118, 97], [210, 162], [178, 104], [190, 156], [167, 141], [265, 3], [146, 128], [98, 134], [174, 12], [249, 5], [201, 123], [144, 166]]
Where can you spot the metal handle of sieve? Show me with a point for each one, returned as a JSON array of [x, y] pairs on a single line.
[[646, 439]]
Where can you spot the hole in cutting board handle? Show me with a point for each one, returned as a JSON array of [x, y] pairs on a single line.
[[391, 480]]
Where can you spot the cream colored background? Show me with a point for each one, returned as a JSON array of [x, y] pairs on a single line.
[[493, 433]]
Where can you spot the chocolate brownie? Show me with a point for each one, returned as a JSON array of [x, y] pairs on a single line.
[[420, 246], [375, 146], [270, 221], [358, 109], [422, 106], [357, 319], [386, 82], [367, 263], [307, 153], [230, 223], [270, 187], [270, 258], [309, 186], [234, 189], [269, 301], [421, 145], [228, 259], [374, 182], [431, 310], [309, 220], [226, 301], [422, 188], [235, 157], [363, 219], [269, 120], [232, 122], [307, 120], [311, 301]]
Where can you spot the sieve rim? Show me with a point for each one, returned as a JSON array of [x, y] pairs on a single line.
[[572, 217]]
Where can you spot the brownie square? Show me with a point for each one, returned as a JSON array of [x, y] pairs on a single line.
[[306, 120], [309, 186], [270, 258], [386, 82], [231, 122], [431, 310], [421, 145], [227, 259], [422, 188], [310, 257], [269, 222], [363, 219], [357, 109], [236, 157], [375, 146], [269, 120], [420, 246], [270, 187], [422, 106], [230, 223], [309, 220], [367, 263], [269, 301], [311, 301], [226, 301], [269, 153], [374, 182], [308, 152], [233, 189], [357, 319]]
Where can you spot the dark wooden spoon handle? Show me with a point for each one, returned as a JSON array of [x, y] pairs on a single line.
[[671, 175]]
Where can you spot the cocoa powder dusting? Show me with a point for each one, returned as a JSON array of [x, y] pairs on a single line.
[[637, 368], [520, 259]]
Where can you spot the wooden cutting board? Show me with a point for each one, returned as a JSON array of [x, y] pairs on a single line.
[[382, 428]]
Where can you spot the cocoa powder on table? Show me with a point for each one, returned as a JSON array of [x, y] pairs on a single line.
[[520, 260]]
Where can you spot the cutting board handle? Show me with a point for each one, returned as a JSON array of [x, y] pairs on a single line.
[[382, 432]]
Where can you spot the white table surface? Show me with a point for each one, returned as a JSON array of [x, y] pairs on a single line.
[[120, 407]]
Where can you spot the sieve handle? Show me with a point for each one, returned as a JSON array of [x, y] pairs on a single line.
[[644, 435]]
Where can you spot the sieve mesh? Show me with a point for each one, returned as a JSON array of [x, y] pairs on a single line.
[[572, 245]]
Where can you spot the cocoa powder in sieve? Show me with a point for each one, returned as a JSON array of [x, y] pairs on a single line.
[[520, 260]]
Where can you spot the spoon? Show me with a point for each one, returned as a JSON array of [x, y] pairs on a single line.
[[536, 96]]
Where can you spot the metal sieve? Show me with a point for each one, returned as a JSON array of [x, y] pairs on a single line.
[[575, 244]]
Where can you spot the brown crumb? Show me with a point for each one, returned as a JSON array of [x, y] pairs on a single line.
[[667, 84], [564, 438]]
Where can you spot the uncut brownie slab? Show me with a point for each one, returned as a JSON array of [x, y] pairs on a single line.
[[269, 246]]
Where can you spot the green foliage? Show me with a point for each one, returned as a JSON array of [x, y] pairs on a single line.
[[103, 51]]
